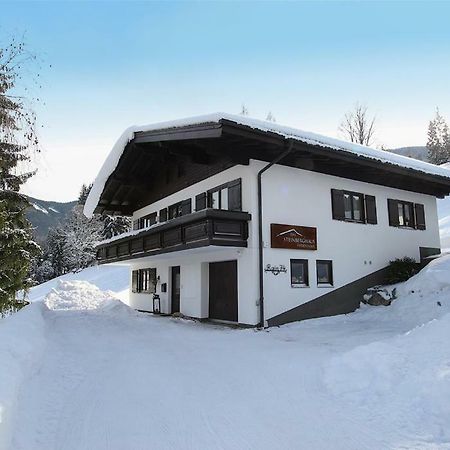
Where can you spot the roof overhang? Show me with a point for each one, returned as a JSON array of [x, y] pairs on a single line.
[[141, 152]]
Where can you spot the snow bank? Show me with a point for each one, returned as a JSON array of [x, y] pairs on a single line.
[[292, 133], [76, 295], [405, 379], [22, 342], [115, 278]]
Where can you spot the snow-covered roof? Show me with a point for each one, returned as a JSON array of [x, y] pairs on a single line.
[[287, 132]]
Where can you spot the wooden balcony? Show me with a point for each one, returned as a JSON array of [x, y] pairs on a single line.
[[199, 229]]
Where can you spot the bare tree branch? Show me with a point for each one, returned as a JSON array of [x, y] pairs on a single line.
[[357, 126]]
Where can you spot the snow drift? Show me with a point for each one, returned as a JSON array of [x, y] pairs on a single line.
[[405, 379], [115, 278]]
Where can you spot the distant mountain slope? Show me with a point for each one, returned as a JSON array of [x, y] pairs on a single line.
[[419, 152], [44, 214]]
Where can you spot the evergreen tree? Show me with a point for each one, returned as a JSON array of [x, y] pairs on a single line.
[[17, 136], [115, 225], [438, 143], [84, 192]]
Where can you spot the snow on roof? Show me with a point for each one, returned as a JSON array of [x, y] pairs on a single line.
[[287, 132]]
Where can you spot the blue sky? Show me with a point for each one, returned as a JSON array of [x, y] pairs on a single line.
[[114, 64]]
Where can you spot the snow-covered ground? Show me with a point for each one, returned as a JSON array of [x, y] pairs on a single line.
[[83, 371]]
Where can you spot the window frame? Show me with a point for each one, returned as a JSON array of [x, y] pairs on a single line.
[[330, 283], [219, 189], [412, 220], [144, 281], [305, 264], [352, 195]]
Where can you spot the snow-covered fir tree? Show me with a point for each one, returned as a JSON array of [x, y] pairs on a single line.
[[115, 225], [17, 137], [80, 237], [438, 143]]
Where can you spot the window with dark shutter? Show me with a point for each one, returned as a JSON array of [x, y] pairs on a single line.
[[200, 201], [163, 215], [186, 207], [371, 209], [406, 214], [351, 206], [420, 216], [393, 213], [234, 196], [337, 204]]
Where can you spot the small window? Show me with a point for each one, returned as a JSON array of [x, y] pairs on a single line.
[[147, 221], [299, 273], [175, 210], [144, 281], [226, 196], [324, 273]]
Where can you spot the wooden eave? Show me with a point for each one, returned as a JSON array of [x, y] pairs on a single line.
[[154, 151]]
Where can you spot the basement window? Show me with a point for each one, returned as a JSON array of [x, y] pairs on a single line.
[[324, 269], [299, 273]]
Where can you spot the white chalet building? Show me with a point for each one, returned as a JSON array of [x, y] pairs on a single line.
[[246, 221]]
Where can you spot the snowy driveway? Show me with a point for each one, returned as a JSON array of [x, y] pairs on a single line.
[[111, 378]]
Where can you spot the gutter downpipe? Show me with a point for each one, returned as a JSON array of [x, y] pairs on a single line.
[[260, 231]]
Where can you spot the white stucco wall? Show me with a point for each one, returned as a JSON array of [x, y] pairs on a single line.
[[295, 197], [299, 197]]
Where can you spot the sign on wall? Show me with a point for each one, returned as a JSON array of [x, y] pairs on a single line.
[[293, 237]]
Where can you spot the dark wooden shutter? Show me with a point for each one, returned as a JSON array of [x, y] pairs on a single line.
[[163, 215], [134, 281], [371, 209], [337, 204], [186, 207], [393, 212], [420, 216], [200, 201], [234, 196]]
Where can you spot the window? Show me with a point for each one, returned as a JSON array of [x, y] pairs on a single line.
[[353, 206], [299, 273], [175, 210], [180, 209], [324, 270], [144, 280], [226, 196], [406, 214]]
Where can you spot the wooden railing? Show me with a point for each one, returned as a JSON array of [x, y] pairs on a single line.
[[199, 229]]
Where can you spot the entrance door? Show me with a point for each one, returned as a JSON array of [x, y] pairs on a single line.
[[223, 293], [175, 289]]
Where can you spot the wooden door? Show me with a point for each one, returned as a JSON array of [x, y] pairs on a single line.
[[223, 291], [175, 289]]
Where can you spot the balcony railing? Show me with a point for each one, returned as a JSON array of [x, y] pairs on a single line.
[[199, 229]]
